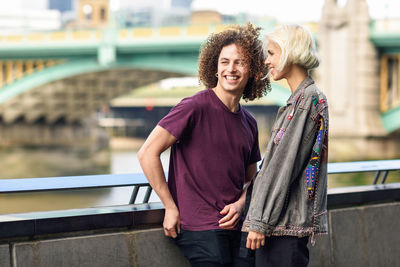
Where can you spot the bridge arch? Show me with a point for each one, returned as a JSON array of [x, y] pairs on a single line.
[[74, 90], [179, 65], [32, 92]]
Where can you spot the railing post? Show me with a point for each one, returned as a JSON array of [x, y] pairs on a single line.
[[134, 194], [385, 174], [147, 196], [378, 173]]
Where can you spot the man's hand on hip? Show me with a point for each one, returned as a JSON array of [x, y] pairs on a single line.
[[232, 214]]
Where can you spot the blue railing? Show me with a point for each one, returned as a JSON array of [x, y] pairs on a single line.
[[138, 180], [378, 166]]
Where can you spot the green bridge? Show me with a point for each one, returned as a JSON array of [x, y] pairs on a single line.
[[61, 78]]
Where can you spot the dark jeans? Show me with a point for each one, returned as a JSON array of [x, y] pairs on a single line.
[[219, 248], [283, 251]]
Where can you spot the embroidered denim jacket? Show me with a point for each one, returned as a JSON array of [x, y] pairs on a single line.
[[290, 191]]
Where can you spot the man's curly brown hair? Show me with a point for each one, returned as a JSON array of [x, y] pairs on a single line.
[[247, 37]]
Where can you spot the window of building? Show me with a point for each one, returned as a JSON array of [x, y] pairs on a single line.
[[88, 12], [103, 16], [390, 82]]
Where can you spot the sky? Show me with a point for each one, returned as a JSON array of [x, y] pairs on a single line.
[[310, 10]]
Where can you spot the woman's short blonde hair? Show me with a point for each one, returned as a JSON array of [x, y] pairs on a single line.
[[297, 46]]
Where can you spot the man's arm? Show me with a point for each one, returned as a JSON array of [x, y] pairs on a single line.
[[149, 157], [233, 211]]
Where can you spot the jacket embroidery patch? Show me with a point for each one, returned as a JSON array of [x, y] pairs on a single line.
[[279, 135], [313, 165], [292, 107], [314, 101]]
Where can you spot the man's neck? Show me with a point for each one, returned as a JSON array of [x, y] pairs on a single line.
[[230, 100]]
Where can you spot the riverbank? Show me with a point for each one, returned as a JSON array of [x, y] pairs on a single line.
[[126, 143], [21, 162]]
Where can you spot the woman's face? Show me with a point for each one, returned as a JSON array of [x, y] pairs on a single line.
[[272, 62]]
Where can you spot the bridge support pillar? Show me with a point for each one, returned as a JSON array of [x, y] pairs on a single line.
[[349, 75]]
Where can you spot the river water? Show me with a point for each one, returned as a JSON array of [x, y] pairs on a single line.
[[29, 163]]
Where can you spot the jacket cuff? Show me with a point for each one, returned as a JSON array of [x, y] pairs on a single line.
[[256, 226]]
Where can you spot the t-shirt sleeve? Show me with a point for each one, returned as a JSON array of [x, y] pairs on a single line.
[[180, 118], [255, 155]]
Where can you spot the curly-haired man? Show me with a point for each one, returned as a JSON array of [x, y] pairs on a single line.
[[214, 150]]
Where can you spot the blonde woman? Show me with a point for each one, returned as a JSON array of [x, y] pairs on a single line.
[[288, 200]]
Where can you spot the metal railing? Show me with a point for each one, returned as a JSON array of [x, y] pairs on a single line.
[[96, 35], [377, 166], [138, 180]]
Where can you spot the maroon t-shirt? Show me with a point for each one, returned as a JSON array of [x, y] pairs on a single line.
[[209, 160]]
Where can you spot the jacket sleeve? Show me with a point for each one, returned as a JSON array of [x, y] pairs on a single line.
[[318, 156]]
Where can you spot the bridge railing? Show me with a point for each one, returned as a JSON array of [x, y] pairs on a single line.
[[96, 35], [128, 216], [138, 180], [380, 167], [26, 185]]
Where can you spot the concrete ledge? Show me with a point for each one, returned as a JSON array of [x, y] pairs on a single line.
[[360, 236], [5, 256], [99, 250], [155, 249], [361, 195], [366, 236], [133, 248], [90, 219], [129, 216], [320, 254]]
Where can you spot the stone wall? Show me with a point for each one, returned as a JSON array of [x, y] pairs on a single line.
[[360, 236]]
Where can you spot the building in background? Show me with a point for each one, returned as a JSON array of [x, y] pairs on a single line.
[[181, 3], [87, 14], [22, 21], [67, 9], [22, 16], [61, 5], [93, 13], [153, 13], [205, 17]]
